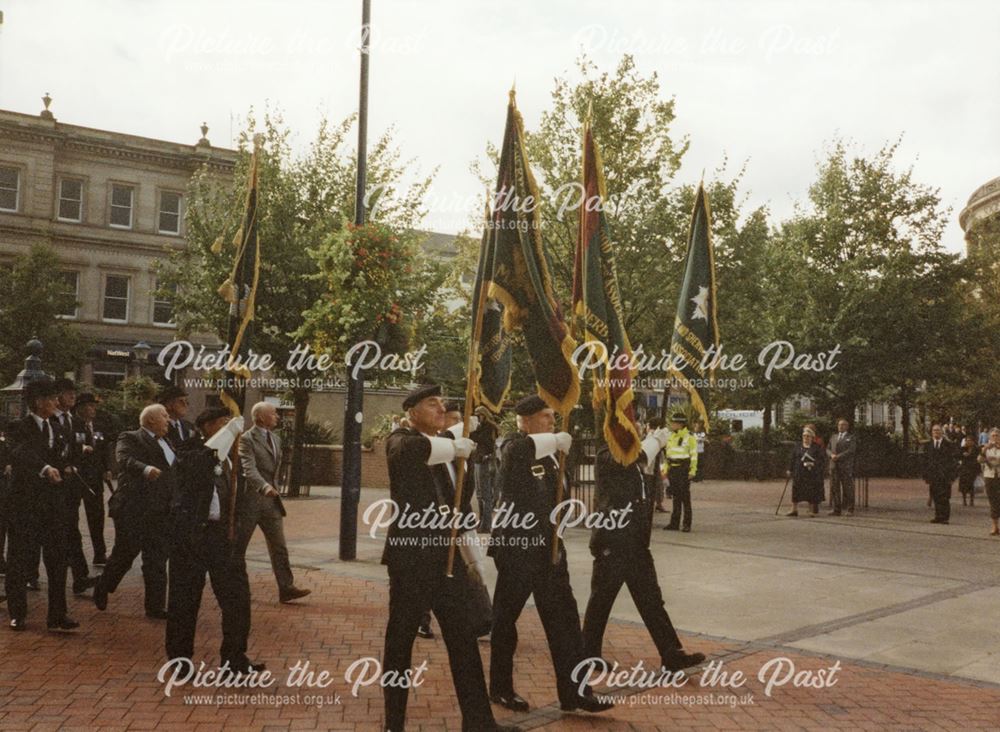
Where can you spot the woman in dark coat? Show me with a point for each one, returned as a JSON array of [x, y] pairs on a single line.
[[806, 469]]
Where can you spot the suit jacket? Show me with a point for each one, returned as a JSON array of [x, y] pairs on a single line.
[[259, 465], [137, 495], [940, 465], [618, 487], [845, 449], [92, 465], [415, 486], [30, 494], [174, 436], [529, 486], [200, 473]]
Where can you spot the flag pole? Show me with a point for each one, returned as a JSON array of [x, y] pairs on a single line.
[[350, 491], [470, 394]]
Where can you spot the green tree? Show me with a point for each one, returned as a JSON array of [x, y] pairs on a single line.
[[34, 296], [303, 201]]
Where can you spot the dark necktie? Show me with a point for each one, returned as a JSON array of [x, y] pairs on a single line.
[[270, 444], [47, 433]]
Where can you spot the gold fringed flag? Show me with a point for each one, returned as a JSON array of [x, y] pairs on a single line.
[[240, 291], [492, 377], [521, 281], [695, 327], [598, 311]]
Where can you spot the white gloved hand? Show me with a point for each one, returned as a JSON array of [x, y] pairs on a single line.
[[661, 436], [563, 441], [464, 447], [456, 429], [442, 450]]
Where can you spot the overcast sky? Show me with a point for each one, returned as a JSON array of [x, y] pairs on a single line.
[[764, 82]]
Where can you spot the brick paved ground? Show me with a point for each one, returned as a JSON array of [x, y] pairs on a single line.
[[104, 676]]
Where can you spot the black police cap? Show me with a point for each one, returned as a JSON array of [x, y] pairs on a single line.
[[64, 384], [679, 417]]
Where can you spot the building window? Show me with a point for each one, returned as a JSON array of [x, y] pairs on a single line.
[[170, 212], [163, 305], [109, 374], [10, 179], [121, 206], [116, 298], [71, 200], [68, 302]]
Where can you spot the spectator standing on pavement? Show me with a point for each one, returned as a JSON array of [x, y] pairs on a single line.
[[989, 456], [939, 469], [842, 451], [968, 470], [807, 469]]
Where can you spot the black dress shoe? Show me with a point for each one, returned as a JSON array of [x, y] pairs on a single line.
[[65, 624], [292, 593], [510, 701], [507, 728], [686, 529], [81, 586], [424, 631], [17, 624], [244, 666], [101, 594], [34, 586], [587, 704], [681, 660], [670, 527], [156, 614]]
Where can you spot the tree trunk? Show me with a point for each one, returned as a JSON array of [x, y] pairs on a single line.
[[904, 406], [300, 397]]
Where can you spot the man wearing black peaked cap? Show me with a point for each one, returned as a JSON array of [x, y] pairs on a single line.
[[422, 483], [528, 481]]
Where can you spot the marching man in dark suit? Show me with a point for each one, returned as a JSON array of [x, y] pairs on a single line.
[[179, 430], [843, 449], [200, 512], [140, 507], [421, 479], [528, 480], [940, 466], [37, 504], [622, 556], [260, 456], [94, 469]]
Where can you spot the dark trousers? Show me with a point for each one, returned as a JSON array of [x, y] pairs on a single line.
[[842, 488], [208, 553], [144, 533], [74, 540], [42, 533], [680, 489], [636, 570], [941, 494], [411, 593], [517, 580]]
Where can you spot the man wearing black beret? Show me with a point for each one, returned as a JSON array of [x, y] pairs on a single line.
[[200, 510], [522, 549], [422, 483], [622, 556], [38, 515]]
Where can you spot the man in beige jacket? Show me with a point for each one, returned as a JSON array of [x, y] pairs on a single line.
[[260, 456]]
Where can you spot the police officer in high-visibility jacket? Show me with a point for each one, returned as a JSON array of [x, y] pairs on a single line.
[[681, 462]]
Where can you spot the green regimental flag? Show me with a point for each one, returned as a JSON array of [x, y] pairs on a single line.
[[240, 291], [695, 327], [597, 310], [492, 378], [521, 281]]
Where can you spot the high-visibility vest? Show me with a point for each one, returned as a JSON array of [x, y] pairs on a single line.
[[682, 445]]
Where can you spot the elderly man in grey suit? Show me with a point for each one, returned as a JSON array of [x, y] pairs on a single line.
[[842, 452], [260, 455]]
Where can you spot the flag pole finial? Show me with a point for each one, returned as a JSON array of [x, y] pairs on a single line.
[[513, 91]]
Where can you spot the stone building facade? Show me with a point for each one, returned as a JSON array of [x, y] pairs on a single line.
[[110, 205]]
